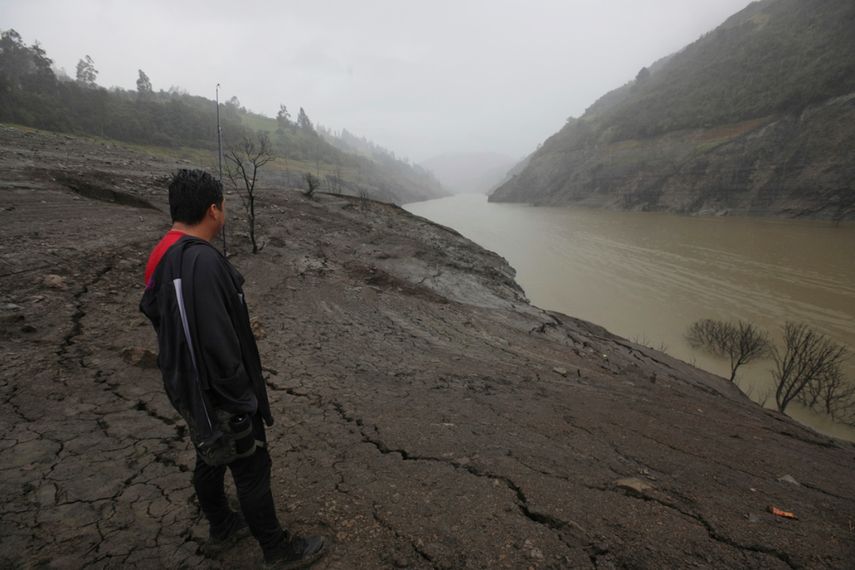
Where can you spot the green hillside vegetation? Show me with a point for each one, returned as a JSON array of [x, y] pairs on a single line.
[[776, 56], [33, 94], [752, 118]]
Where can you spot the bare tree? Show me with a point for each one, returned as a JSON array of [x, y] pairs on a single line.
[[312, 184], [706, 334], [242, 164], [363, 199], [741, 342], [810, 361], [337, 178], [831, 395]]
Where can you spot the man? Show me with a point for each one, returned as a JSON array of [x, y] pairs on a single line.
[[212, 372]]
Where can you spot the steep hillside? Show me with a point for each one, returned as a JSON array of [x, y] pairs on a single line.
[[414, 182], [753, 118]]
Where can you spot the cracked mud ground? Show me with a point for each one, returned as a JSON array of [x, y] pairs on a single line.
[[426, 415]]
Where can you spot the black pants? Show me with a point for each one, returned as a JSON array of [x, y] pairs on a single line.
[[252, 479]]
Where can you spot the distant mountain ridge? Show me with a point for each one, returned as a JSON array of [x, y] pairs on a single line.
[[476, 172], [753, 118]]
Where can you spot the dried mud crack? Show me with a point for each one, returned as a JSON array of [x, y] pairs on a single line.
[[427, 416]]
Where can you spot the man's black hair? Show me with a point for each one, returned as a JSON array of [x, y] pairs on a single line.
[[191, 193]]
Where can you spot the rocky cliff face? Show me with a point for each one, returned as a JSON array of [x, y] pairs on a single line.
[[427, 416], [719, 128]]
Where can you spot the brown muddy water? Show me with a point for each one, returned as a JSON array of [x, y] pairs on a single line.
[[648, 276]]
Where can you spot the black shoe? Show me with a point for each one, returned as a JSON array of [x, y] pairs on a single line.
[[236, 530], [299, 552]]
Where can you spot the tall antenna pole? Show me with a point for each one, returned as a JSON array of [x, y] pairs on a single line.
[[220, 161]]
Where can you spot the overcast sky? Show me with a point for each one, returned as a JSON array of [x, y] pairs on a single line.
[[421, 78]]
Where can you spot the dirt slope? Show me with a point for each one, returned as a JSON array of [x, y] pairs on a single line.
[[426, 415]]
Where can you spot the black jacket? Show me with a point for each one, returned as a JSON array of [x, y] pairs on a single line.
[[195, 292]]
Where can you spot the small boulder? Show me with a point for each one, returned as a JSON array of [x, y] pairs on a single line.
[[55, 282], [141, 357], [634, 486], [788, 479], [559, 370], [257, 328]]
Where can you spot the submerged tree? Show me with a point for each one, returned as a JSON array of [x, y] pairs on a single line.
[[809, 364], [741, 342], [831, 395], [242, 164]]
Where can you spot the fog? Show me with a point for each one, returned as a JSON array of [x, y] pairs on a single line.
[[420, 78]]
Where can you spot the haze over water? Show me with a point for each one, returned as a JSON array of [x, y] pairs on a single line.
[[648, 276]]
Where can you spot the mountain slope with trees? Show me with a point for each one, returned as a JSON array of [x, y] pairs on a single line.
[[406, 173], [34, 95], [753, 118]]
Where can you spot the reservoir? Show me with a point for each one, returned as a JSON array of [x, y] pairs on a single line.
[[648, 276]]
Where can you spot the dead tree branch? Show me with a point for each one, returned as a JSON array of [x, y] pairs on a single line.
[[243, 162]]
